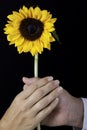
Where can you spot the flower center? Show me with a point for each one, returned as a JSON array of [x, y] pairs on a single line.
[[31, 28]]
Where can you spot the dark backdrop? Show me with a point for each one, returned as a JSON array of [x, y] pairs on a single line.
[[64, 62]]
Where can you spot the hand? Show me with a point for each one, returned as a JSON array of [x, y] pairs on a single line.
[[69, 111], [31, 105]]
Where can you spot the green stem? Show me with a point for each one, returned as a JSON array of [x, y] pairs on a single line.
[[36, 75], [36, 65], [39, 127]]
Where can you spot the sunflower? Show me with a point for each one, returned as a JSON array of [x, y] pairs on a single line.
[[30, 29]]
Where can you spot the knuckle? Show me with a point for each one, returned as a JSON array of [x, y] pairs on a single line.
[[23, 108], [44, 80], [41, 92], [24, 87], [50, 84], [36, 86], [47, 101], [17, 99], [37, 107], [55, 93]]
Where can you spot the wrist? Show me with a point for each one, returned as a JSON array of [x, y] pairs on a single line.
[[76, 113], [1, 128], [3, 124]]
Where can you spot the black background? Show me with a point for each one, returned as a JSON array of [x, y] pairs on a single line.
[[65, 62]]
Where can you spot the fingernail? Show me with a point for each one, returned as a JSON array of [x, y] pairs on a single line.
[[56, 82], [25, 78], [50, 78]]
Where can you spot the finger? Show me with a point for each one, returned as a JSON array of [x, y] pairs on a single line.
[[34, 86], [28, 81], [45, 112], [41, 92], [46, 100]]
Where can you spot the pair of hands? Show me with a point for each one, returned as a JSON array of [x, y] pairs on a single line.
[[42, 100]]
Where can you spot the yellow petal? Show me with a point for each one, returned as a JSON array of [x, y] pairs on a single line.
[[9, 29], [33, 51], [19, 49], [53, 20], [44, 15], [37, 13], [18, 15], [31, 11], [13, 37], [27, 46], [52, 39], [24, 12], [11, 17], [46, 45], [38, 45], [48, 25], [19, 41]]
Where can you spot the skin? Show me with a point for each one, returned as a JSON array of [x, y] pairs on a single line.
[[69, 110], [32, 105]]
